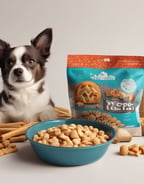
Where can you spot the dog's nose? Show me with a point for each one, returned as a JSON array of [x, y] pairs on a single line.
[[18, 72]]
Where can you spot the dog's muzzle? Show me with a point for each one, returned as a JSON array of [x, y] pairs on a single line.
[[20, 76]]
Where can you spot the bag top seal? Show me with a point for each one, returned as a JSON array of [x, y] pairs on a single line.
[[105, 61]]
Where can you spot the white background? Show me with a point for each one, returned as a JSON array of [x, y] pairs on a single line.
[[113, 27]]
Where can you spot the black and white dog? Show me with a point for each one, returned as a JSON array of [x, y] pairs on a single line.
[[25, 95]]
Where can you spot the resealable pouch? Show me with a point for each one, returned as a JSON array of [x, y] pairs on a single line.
[[107, 89]]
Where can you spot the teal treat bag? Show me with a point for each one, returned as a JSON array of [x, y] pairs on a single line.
[[107, 89]]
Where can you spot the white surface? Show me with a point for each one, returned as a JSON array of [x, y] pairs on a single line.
[[23, 166], [113, 27]]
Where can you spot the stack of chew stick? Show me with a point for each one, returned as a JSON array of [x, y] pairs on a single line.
[[11, 133]]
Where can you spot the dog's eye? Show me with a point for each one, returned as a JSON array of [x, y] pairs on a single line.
[[10, 63], [31, 61]]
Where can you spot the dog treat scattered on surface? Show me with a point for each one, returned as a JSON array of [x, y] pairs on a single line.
[[122, 136], [132, 150], [10, 149], [71, 136], [124, 150], [6, 147]]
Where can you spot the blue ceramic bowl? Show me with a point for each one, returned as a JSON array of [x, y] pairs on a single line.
[[69, 156]]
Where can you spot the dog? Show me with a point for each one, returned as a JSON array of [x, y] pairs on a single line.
[[25, 94]]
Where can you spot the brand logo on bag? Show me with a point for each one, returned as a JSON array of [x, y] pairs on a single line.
[[102, 76]]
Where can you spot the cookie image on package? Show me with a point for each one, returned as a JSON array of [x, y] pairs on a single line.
[[87, 92]]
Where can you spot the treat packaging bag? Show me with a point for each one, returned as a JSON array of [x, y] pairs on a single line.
[[107, 89]]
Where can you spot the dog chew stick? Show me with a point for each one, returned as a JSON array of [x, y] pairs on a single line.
[[7, 129], [62, 112], [20, 138], [18, 131], [12, 125]]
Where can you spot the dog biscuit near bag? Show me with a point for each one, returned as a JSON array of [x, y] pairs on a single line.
[[107, 89]]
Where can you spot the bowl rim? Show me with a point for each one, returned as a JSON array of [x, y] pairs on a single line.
[[72, 148]]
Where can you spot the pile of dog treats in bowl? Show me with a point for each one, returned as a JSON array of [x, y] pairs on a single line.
[[70, 142]]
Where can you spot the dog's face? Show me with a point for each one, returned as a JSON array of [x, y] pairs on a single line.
[[23, 66]]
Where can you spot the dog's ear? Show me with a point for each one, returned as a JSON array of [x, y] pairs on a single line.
[[43, 42], [4, 47]]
